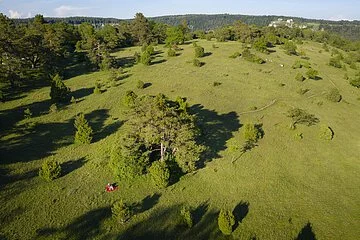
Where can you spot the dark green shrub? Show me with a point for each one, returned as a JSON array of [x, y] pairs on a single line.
[[50, 170], [59, 92], [215, 84], [290, 48], [235, 55], [186, 215], [247, 55], [300, 116], [300, 64], [27, 113], [326, 133], [140, 84], [129, 98], [199, 52], [106, 63], [150, 49], [312, 73], [261, 45], [121, 212], [197, 63], [252, 132], [160, 174], [137, 57], [299, 77], [97, 89], [333, 95], [171, 52], [84, 132], [335, 62], [226, 221], [145, 58], [355, 82]]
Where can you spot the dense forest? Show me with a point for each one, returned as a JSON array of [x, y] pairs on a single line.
[[348, 29]]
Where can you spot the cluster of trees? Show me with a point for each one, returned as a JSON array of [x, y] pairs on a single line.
[[35, 50], [160, 138]]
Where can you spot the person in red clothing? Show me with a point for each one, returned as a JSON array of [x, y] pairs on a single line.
[[111, 187]]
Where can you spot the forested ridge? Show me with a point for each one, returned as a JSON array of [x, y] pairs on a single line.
[[348, 29]]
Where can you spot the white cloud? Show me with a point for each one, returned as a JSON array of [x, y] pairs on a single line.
[[14, 14], [66, 10]]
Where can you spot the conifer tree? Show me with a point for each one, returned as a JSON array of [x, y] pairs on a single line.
[[84, 132], [59, 92]]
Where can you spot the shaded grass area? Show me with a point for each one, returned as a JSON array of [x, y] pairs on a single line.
[[283, 189]]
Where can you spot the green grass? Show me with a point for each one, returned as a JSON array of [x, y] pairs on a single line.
[[277, 188]]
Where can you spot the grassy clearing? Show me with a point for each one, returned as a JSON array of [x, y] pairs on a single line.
[[276, 189]]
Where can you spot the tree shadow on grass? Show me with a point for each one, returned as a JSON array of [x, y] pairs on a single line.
[[306, 233], [200, 211], [146, 204], [87, 226], [72, 165], [240, 212], [97, 120], [82, 92], [125, 62], [207, 54], [216, 130], [158, 61], [166, 223], [41, 140]]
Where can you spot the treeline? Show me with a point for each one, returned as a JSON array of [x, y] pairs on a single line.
[[40, 49], [348, 29]]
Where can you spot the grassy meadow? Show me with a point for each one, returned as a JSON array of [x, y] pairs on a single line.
[[285, 188]]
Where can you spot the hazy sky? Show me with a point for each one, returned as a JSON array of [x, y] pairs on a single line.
[[319, 9]]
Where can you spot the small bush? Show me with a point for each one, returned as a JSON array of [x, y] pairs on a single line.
[[160, 174], [214, 46], [235, 55], [197, 63], [333, 95], [300, 64], [53, 108], [140, 84], [326, 133], [298, 136], [299, 77], [247, 55], [150, 49], [215, 84], [199, 52], [335, 62], [355, 82], [27, 113], [290, 48], [312, 73], [226, 221], [97, 89], [50, 170], [84, 132], [353, 66], [146, 58], [129, 98], [194, 44], [252, 132], [137, 57], [186, 215], [73, 100], [171, 52], [121, 212], [300, 116]]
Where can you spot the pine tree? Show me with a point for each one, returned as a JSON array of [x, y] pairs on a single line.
[[50, 170], [59, 92], [84, 132], [226, 221]]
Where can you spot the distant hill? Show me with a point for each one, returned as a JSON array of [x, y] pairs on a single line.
[[348, 29]]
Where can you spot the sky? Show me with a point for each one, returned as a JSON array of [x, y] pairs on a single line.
[[125, 9]]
